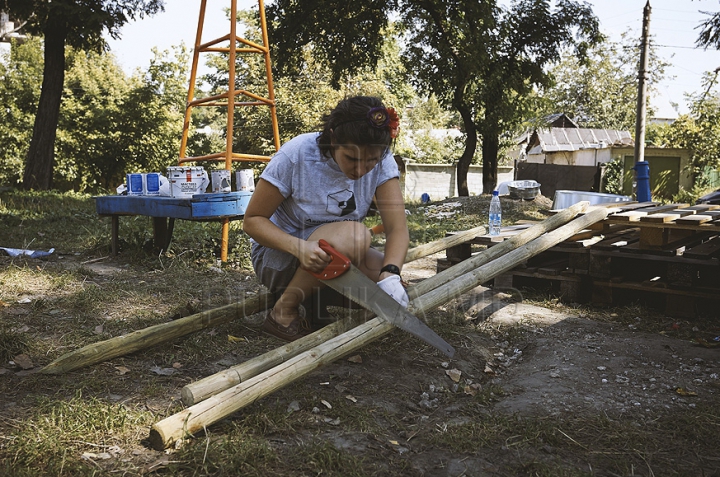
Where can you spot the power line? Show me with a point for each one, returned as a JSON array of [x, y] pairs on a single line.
[[682, 47]]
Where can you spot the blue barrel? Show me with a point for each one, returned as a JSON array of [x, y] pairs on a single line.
[[642, 174]]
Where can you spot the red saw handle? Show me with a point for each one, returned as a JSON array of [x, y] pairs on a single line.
[[338, 265]]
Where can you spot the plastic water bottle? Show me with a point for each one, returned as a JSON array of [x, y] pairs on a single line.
[[495, 215]]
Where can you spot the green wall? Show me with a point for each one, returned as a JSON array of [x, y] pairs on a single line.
[[664, 175]]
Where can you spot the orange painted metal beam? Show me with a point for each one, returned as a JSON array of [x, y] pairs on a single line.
[[229, 99]]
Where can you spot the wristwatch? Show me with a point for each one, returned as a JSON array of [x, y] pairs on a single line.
[[390, 268]]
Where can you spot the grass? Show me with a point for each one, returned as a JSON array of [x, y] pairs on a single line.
[[95, 421], [59, 431], [12, 343]]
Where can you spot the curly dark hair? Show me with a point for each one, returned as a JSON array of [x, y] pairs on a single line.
[[347, 123]]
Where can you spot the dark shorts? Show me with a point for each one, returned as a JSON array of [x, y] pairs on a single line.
[[275, 268]]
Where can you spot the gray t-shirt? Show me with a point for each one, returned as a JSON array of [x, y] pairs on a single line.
[[315, 189]]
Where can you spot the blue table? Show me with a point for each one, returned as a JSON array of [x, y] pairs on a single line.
[[222, 206]]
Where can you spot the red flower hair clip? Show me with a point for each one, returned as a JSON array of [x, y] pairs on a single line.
[[381, 118], [393, 123]]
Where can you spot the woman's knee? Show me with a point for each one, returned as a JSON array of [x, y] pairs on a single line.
[[352, 239]]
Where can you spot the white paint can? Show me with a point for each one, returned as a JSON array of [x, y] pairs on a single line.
[[186, 181], [220, 180], [245, 180], [135, 183]]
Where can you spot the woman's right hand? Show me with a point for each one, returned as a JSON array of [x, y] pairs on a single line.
[[312, 257]]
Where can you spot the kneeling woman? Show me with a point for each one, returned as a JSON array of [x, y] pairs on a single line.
[[321, 186]]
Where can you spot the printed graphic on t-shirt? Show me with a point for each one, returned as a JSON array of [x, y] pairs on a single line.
[[341, 203]]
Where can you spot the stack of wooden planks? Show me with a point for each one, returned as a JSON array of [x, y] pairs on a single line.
[[665, 255]]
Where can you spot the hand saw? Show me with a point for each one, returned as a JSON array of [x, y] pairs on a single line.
[[341, 275]]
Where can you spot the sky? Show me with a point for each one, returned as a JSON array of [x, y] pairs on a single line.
[[672, 26]]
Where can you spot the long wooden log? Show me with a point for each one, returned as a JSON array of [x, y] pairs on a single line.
[[213, 384], [121, 345], [196, 417], [499, 250], [202, 389], [444, 243], [484, 273], [187, 422], [140, 339]]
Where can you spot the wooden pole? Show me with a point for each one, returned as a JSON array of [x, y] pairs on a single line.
[[443, 243], [193, 419], [202, 389], [641, 109], [215, 383], [153, 335], [121, 345], [498, 250], [473, 278], [164, 433]]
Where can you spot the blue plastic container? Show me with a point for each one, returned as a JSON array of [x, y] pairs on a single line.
[[642, 175]]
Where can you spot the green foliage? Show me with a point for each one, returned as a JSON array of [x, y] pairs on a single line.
[[698, 132], [20, 79], [427, 147], [690, 196], [152, 116], [613, 178], [709, 36], [88, 134], [301, 102], [348, 36], [485, 61], [600, 91], [82, 23], [423, 139], [478, 58], [428, 114], [109, 124]]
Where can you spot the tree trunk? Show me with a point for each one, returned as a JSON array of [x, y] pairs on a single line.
[[41, 155], [463, 165], [490, 146]]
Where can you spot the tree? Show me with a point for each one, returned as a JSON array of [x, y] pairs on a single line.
[[600, 92], [430, 133], [477, 57], [151, 116], [89, 133], [698, 132], [20, 79], [109, 124], [79, 24], [300, 104], [709, 31]]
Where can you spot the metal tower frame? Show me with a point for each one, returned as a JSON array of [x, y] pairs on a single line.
[[232, 98]]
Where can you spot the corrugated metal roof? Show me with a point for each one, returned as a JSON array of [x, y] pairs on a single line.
[[575, 139]]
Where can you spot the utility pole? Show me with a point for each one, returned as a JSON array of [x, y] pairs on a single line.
[[642, 168]]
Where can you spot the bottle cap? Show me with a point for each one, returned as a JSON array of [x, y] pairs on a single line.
[[495, 192]]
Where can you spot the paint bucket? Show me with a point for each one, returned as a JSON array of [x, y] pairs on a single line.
[[245, 180], [186, 181], [220, 180], [135, 183], [152, 183]]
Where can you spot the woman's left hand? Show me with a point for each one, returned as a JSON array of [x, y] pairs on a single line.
[[393, 286]]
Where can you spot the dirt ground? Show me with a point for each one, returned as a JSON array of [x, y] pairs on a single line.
[[515, 360], [565, 362]]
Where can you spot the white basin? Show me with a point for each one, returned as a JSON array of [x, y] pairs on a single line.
[[566, 198]]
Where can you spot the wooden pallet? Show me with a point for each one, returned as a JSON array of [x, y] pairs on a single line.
[[666, 255]]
